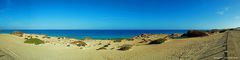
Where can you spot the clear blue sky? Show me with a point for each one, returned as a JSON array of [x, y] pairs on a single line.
[[119, 14]]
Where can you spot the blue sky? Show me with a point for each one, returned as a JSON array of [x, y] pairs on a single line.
[[119, 14]]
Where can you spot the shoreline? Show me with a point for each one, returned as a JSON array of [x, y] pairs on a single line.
[[97, 34]]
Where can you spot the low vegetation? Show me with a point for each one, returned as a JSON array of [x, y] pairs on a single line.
[[130, 39], [125, 47], [158, 41], [79, 43], [46, 37], [102, 48], [174, 36], [117, 40], [34, 41], [61, 37], [216, 31], [17, 33], [222, 31]]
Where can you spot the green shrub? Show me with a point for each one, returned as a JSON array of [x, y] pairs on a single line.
[[34, 41]]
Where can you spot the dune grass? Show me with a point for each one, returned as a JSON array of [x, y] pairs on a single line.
[[34, 41]]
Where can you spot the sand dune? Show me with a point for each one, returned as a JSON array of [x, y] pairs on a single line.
[[173, 49]]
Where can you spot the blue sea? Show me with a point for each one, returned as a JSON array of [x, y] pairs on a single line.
[[96, 34]]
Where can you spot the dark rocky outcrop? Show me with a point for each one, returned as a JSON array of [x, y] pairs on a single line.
[[195, 33], [222, 31]]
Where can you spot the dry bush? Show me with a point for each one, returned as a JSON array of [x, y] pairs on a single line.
[[125, 47], [158, 41], [102, 48], [17, 33], [79, 43]]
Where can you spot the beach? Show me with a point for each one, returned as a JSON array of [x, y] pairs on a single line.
[[95, 34], [119, 30], [173, 49]]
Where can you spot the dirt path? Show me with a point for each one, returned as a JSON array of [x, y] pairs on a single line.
[[215, 49], [226, 48], [4, 56], [233, 45]]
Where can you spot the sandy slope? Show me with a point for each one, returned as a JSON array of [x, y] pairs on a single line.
[[187, 49]]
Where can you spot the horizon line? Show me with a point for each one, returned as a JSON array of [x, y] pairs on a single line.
[[121, 29]]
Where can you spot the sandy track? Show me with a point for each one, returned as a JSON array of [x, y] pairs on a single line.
[[16, 56], [5, 56], [233, 45], [227, 48]]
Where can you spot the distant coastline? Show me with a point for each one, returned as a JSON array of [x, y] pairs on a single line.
[[96, 34]]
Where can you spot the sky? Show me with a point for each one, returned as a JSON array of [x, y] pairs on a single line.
[[119, 14]]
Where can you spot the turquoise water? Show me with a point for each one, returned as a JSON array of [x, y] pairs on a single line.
[[96, 34]]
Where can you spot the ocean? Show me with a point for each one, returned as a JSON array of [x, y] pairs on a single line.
[[95, 34]]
